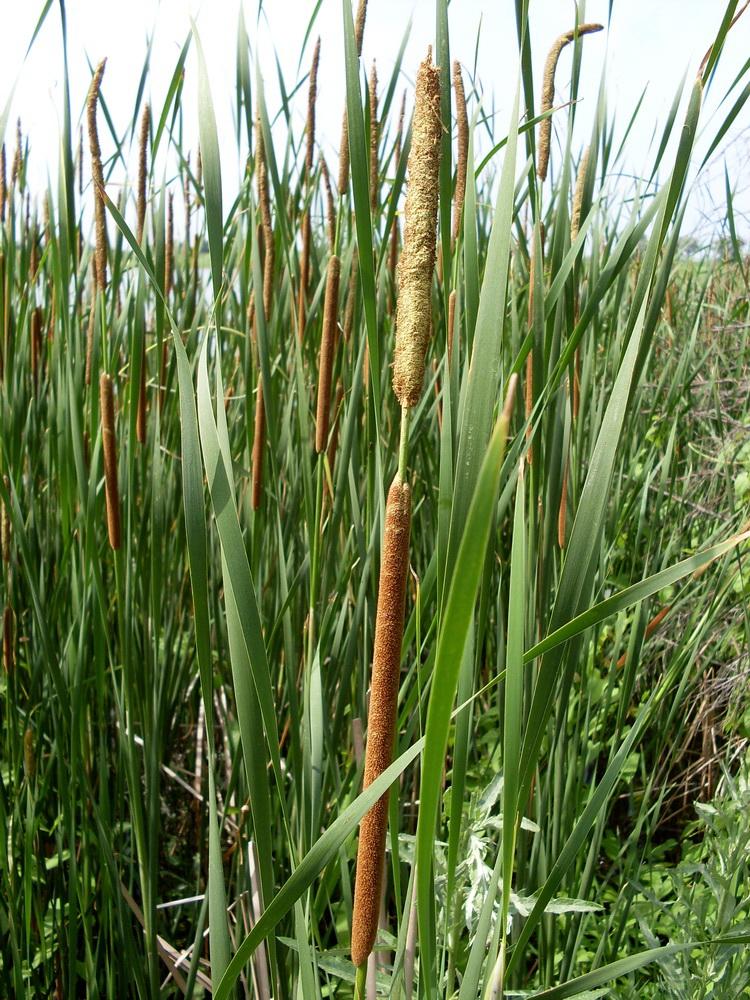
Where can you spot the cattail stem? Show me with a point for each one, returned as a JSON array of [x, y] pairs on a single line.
[[109, 448], [327, 347], [381, 727]]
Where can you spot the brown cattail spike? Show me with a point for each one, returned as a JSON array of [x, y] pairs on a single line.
[[351, 298], [330, 207], [265, 209], [451, 324], [548, 91], [311, 96], [381, 724], [327, 347], [373, 95], [462, 120], [575, 219], [143, 171], [97, 173], [420, 233], [109, 448]]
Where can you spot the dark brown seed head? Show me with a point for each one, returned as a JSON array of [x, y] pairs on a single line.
[[420, 234], [381, 723], [327, 347], [351, 298], [548, 92], [109, 448]]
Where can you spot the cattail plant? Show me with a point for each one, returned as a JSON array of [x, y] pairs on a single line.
[[109, 449], [412, 332], [462, 122], [327, 347], [548, 91], [97, 173]]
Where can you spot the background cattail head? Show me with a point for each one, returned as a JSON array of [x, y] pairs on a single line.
[[310, 125], [575, 219], [143, 171], [327, 346], [548, 92], [97, 173], [109, 448], [381, 723], [373, 96], [420, 234], [462, 121]]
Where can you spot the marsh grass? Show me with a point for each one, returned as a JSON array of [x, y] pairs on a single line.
[[194, 531]]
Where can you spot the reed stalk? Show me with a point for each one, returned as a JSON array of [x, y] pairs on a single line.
[[359, 34], [327, 347], [109, 449]]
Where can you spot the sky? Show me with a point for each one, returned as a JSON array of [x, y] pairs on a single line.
[[647, 45]]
